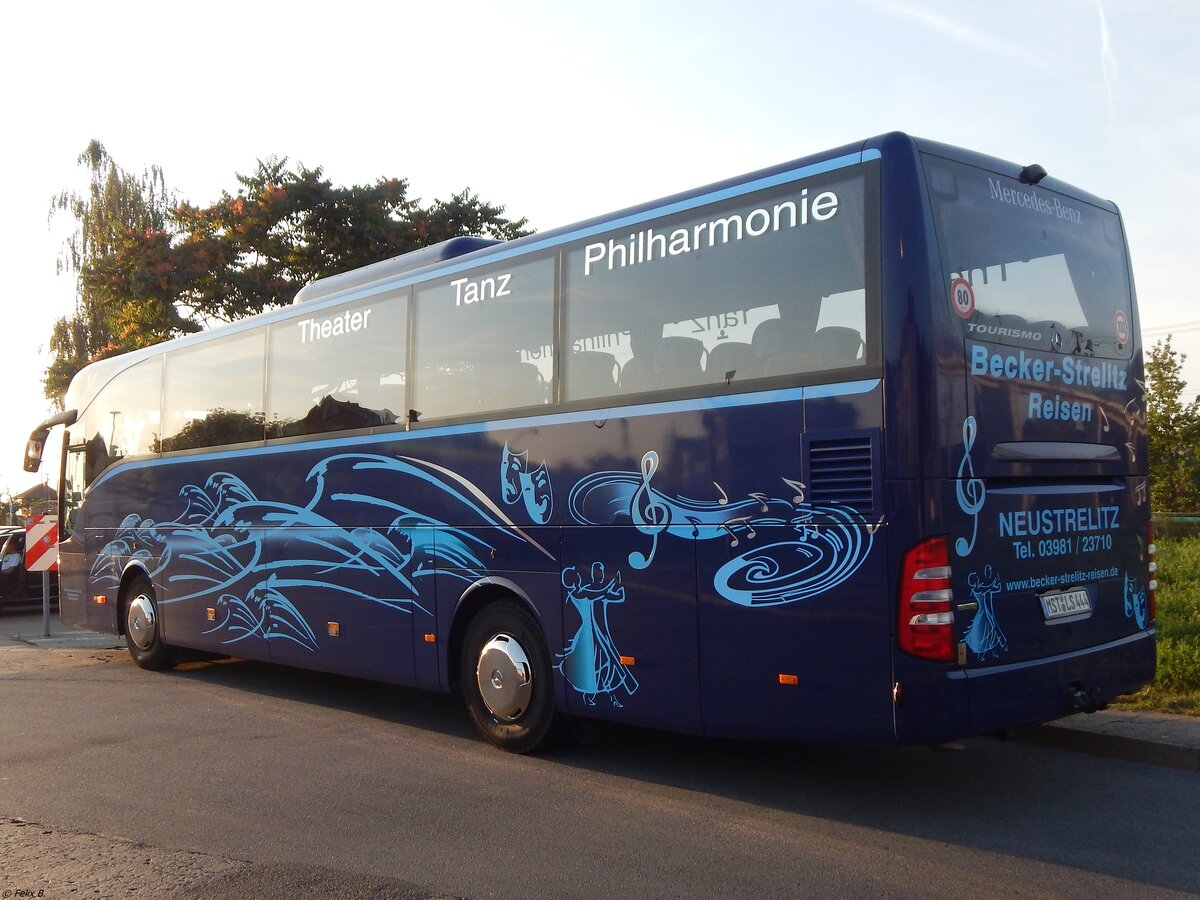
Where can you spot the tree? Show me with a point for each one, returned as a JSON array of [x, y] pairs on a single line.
[[1173, 429], [150, 268], [117, 254], [286, 227]]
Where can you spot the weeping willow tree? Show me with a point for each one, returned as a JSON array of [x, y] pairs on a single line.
[[117, 254]]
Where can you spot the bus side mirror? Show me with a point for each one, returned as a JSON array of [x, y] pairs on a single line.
[[34, 449], [37, 440]]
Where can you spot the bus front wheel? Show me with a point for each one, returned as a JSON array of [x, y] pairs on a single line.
[[507, 680], [143, 627]]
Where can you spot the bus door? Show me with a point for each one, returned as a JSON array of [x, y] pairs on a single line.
[[73, 597]]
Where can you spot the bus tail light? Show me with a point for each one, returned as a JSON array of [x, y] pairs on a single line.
[[1152, 586], [925, 626]]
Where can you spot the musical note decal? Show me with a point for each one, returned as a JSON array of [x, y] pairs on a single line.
[[796, 486], [971, 491], [650, 516], [825, 543]]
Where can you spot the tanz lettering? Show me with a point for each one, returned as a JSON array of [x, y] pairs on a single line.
[[467, 291]]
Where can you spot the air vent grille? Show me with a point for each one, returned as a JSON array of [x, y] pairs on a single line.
[[842, 470]]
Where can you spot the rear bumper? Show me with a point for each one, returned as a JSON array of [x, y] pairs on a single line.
[[1009, 696]]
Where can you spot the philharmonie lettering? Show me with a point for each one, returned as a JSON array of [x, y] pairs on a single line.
[[648, 245]]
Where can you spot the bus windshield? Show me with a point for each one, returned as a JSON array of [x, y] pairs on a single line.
[[1031, 267]]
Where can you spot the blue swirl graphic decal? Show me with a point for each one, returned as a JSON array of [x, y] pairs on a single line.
[[817, 557], [263, 613], [251, 558]]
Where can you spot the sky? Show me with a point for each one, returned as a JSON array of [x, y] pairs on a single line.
[[564, 111]]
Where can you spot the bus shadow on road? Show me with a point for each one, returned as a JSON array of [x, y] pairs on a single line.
[[427, 710], [993, 796]]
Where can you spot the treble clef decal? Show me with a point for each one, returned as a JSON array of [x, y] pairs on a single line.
[[650, 515], [970, 490]]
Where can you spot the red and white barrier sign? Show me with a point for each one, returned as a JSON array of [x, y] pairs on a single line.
[[41, 544]]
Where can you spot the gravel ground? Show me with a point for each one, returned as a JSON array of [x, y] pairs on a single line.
[[38, 861]]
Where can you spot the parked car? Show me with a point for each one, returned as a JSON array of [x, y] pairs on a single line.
[[15, 582]]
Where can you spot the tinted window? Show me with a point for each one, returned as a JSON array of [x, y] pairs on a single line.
[[337, 368], [483, 340], [213, 393], [1024, 265], [123, 419], [771, 283]]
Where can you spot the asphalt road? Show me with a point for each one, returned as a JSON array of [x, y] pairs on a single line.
[[235, 779]]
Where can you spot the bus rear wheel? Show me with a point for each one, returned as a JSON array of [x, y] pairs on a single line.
[[143, 628], [507, 679]]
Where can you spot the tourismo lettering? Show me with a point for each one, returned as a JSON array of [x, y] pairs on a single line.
[[647, 245]]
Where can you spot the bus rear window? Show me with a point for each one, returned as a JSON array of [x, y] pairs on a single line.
[[1024, 265]]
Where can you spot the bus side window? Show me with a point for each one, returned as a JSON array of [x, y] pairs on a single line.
[[338, 368], [591, 373], [73, 483], [679, 362], [838, 346], [483, 340]]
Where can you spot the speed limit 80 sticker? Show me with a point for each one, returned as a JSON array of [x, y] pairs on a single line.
[[1121, 326], [962, 298]]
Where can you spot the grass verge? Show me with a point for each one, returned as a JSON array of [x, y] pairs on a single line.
[[1176, 687]]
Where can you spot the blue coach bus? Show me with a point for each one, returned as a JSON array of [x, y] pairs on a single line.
[[849, 448]]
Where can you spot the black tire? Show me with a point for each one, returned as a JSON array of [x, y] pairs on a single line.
[[514, 708], [142, 626]]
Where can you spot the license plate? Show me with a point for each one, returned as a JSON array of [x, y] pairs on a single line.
[[1065, 604]]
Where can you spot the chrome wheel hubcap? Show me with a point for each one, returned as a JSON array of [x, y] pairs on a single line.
[[505, 677], [140, 625]]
